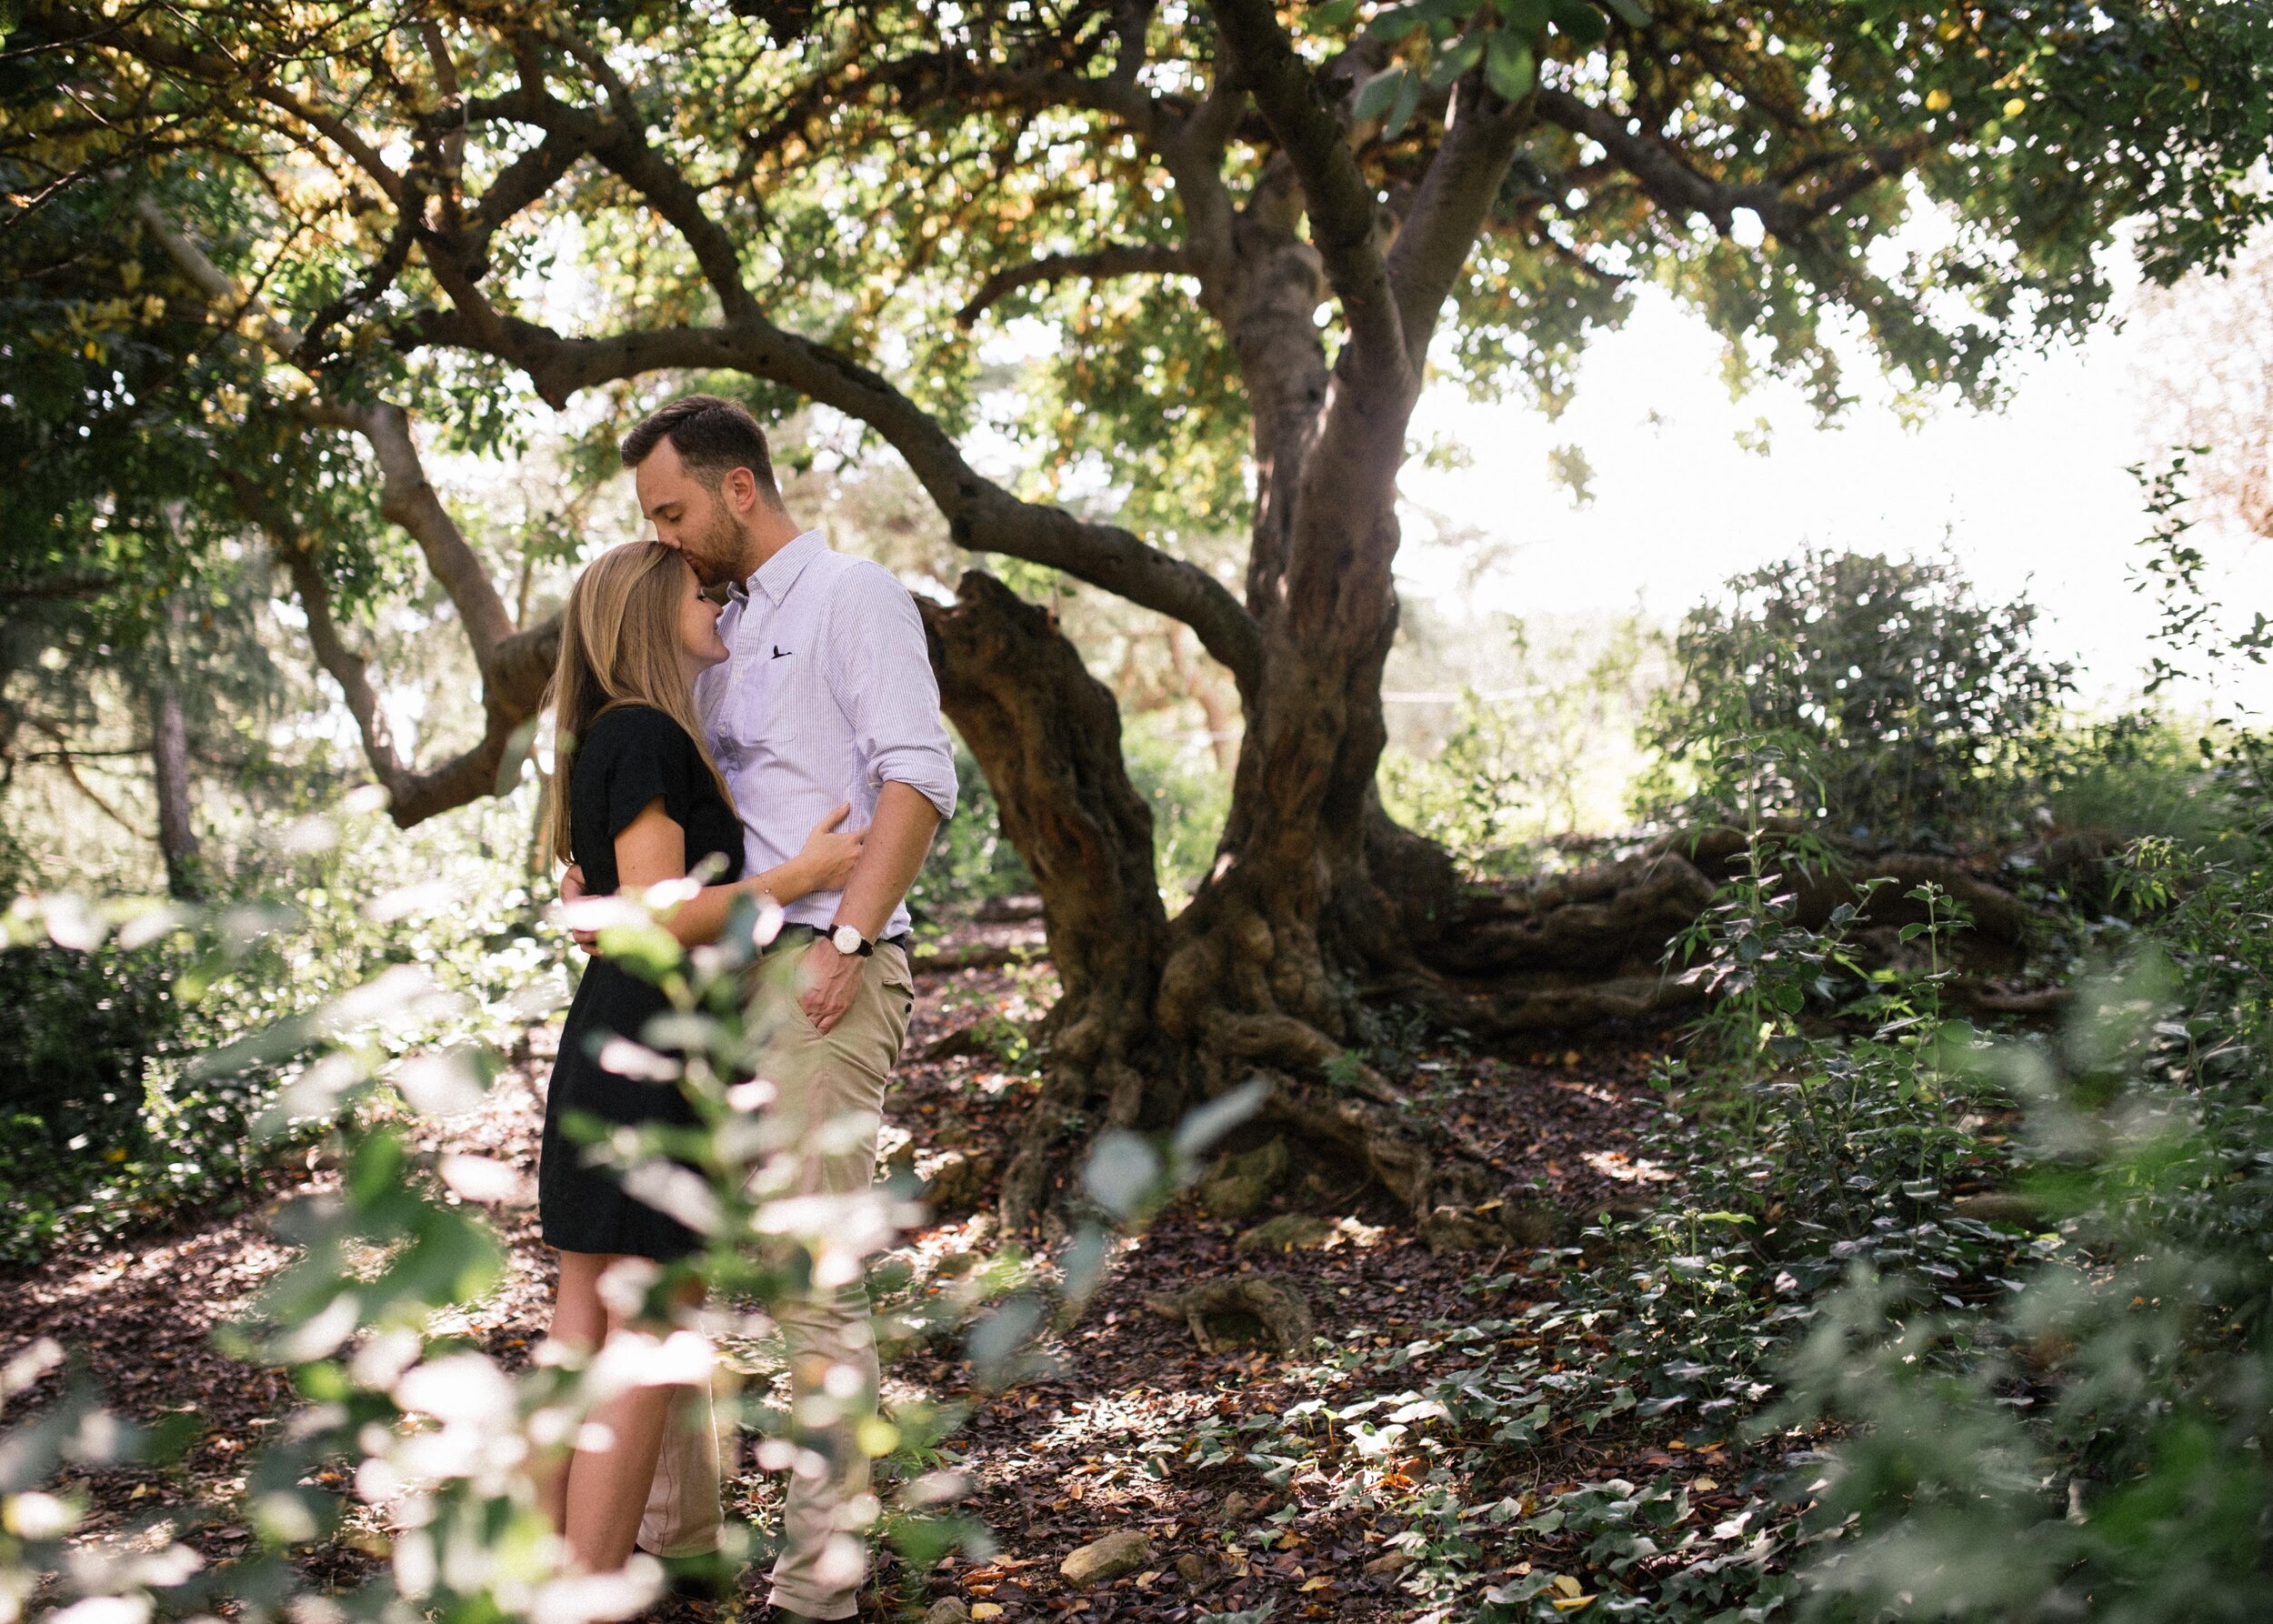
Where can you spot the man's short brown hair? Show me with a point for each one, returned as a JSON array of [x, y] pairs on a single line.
[[713, 436]]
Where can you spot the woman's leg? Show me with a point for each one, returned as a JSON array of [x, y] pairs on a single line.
[[604, 1492], [579, 1321]]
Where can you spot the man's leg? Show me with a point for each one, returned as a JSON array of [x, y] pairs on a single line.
[[684, 1517], [827, 1113]]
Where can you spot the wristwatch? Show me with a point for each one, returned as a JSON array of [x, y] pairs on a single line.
[[847, 940]]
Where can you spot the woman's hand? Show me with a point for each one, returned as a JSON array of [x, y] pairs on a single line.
[[571, 890], [824, 862]]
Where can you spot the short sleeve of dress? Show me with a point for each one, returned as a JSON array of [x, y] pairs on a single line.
[[642, 755]]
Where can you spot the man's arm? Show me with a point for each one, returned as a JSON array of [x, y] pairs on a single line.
[[899, 837], [881, 675]]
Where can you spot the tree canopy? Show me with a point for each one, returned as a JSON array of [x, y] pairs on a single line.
[[464, 203]]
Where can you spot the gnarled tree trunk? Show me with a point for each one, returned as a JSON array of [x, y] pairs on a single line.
[[1048, 736]]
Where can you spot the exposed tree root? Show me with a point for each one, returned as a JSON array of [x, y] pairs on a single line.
[[1272, 971], [1277, 1307]]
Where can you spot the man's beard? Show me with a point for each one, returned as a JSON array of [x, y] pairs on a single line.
[[715, 555]]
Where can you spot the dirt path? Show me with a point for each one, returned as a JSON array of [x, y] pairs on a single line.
[[1055, 1462]]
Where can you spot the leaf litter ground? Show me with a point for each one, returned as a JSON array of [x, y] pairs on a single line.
[[1131, 1427]]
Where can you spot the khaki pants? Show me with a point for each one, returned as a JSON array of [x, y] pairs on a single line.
[[825, 1119]]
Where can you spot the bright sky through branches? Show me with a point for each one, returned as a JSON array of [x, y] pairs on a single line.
[[2034, 497]]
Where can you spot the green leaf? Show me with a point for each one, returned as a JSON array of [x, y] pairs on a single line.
[[1511, 66], [1396, 23], [1408, 91], [1335, 14], [1451, 64], [1631, 13], [1580, 22], [1374, 97], [1527, 18], [1123, 1171]]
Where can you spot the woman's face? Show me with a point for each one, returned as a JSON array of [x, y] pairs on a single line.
[[698, 622]]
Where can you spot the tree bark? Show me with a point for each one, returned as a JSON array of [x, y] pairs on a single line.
[[169, 770], [1047, 735]]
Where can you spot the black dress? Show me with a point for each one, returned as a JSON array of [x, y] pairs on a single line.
[[631, 756]]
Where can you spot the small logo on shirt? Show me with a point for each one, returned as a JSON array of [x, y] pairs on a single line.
[[780, 652]]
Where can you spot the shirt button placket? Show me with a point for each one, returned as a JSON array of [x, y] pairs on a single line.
[[753, 613]]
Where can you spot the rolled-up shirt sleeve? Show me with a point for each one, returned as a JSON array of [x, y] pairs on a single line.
[[880, 671]]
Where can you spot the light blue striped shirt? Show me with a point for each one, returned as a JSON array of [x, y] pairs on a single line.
[[827, 696]]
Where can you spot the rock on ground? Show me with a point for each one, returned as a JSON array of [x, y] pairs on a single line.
[[1289, 1231], [1109, 1559]]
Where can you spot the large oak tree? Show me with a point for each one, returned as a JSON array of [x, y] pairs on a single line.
[[1242, 238]]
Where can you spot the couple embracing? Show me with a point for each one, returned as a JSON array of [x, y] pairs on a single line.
[[794, 735]]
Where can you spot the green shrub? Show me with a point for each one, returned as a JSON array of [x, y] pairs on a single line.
[[89, 1032], [973, 860], [1910, 714], [83, 1028], [1476, 797], [333, 901], [2090, 1442], [1188, 793], [2138, 776]]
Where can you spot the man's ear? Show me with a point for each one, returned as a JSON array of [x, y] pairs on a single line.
[[741, 489]]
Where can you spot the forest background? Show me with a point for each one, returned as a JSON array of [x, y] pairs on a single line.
[[1938, 927]]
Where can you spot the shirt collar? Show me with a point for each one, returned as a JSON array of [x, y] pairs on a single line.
[[779, 572]]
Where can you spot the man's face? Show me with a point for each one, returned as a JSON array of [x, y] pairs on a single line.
[[689, 515]]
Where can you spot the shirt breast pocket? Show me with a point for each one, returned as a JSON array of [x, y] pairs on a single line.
[[773, 702]]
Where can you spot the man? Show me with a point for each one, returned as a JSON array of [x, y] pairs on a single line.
[[829, 697]]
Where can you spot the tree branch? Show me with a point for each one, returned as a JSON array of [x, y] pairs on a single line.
[[1341, 202], [407, 498], [623, 147], [514, 665], [83, 583], [1449, 211], [64, 760], [1674, 186], [347, 668], [1120, 259], [980, 514], [512, 689], [209, 279], [220, 74]]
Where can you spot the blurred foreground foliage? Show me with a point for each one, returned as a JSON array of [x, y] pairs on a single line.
[[113, 1126], [434, 1437]]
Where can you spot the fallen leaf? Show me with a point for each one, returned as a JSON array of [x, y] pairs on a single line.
[[988, 1609]]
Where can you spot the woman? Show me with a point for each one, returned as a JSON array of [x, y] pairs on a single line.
[[638, 801]]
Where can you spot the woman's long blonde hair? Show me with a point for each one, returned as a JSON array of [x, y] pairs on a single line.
[[619, 644]]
